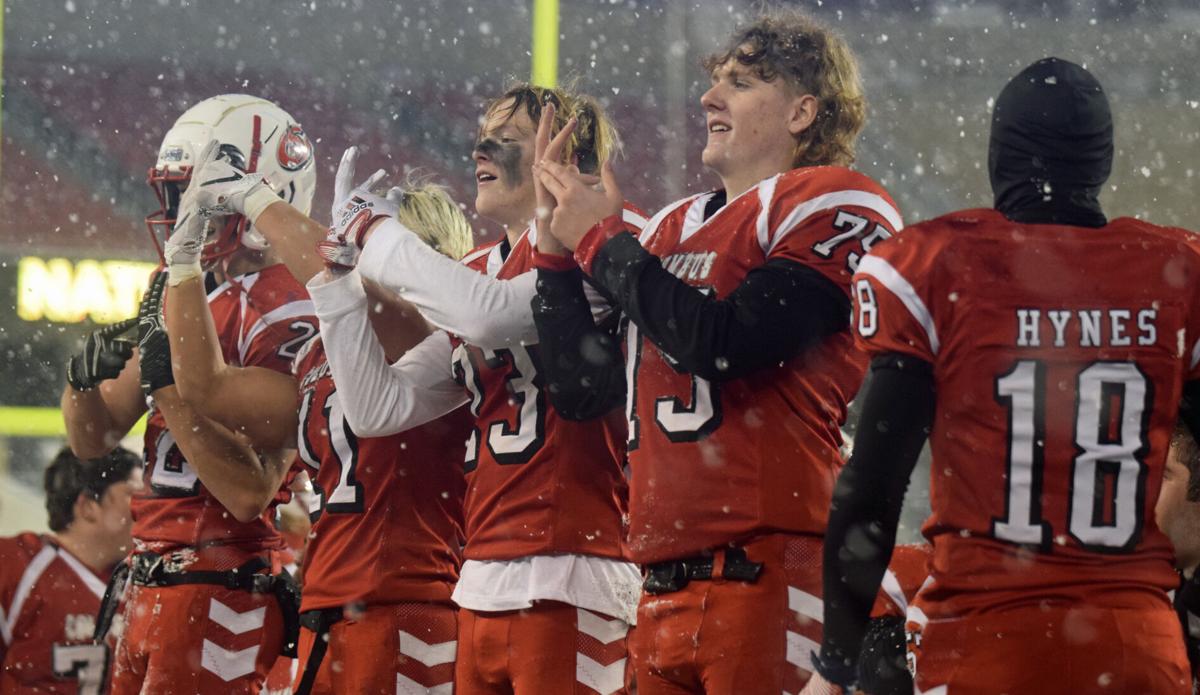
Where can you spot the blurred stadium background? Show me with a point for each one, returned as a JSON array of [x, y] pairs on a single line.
[[90, 86]]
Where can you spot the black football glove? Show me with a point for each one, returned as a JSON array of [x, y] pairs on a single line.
[[103, 357], [154, 350]]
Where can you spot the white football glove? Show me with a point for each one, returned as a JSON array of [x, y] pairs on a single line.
[[343, 181], [222, 189], [186, 242], [353, 218]]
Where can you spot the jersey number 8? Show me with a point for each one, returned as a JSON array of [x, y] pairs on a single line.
[[1098, 521]]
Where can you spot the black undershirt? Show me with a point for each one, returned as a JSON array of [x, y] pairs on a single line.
[[780, 309]]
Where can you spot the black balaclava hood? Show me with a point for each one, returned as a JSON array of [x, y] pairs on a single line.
[[1051, 147]]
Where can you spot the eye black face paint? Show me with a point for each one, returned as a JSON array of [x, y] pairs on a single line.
[[507, 155]]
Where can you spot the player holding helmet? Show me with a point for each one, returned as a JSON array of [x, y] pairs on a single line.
[[384, 550], [205, 537], [545, 591]]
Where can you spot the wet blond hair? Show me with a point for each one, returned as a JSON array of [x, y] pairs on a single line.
[[428, 210], [595, 139], [811, 59]]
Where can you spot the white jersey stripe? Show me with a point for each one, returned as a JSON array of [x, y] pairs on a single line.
[[883, 271], [653, 224], [828, 201], [90, 580], [32, 573], [632, 218], [766, 192], [1195, 354], [891, 587]]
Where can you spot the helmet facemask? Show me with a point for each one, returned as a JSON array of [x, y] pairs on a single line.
[[256, 136]]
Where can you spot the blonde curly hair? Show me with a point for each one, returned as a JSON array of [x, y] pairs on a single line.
[[811, 59]]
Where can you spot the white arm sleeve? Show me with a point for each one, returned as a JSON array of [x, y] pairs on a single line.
[[482, 310], [380, 399]]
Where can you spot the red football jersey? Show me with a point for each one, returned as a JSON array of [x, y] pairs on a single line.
[[1058, 355], [537, 484], [261, 324], [48, 605], [389, 526], [717, 463], [904, 577]]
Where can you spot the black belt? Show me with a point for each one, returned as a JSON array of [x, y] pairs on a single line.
[[673, 575], [319, 621], [151, 569]]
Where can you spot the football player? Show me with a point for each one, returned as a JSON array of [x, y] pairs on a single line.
[[51, 585], [739, 358], [1044, 349], [205, 553], [383, 554], [1177, 513], [545, 592]]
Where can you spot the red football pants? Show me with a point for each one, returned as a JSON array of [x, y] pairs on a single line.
[[279, 680], [726, 636], [1036, 651], [397, 648], [196, 639], [550, 648]]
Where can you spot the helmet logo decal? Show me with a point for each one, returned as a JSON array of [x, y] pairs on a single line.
[[295, 150], [172, 154], [233, 155]]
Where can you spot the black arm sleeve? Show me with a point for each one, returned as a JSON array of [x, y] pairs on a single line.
[[779, 309], [582, 362], [897, 412]]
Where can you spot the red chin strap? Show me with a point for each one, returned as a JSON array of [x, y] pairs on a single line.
[[221, 244]]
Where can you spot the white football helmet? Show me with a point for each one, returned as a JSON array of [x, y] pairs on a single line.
[[255, 136]]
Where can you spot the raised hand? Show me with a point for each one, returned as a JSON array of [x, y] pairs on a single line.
[[341, 249], [546, 241], [343, 181], [356, 209], [154, 349], [103, 356], [185, 245], [218, 188], [579, 206]]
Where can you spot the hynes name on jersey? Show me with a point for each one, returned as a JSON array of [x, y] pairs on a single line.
[[1096, 327]]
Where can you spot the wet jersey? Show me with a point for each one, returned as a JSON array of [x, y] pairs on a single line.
[[387, 526], [262, 324], [49, 601], [905, 575], [1058, 354], [537, 484], [717, 463]]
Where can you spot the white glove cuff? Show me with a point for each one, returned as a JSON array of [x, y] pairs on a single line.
[[258, 200], [177, 274]]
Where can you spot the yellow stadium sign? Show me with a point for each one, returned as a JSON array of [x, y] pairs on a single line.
[[65, 291]]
